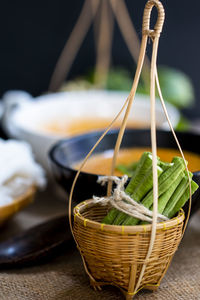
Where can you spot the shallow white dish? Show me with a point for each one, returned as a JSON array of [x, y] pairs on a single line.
[[24, 116]]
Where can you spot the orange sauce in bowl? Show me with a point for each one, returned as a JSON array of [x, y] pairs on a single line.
[[84, 125], [101, 163]]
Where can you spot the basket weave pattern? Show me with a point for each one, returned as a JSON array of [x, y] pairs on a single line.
[[115, 254]]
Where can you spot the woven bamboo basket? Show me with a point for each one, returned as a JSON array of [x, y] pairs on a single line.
[[19, 203], [115, 254], [129, 257]]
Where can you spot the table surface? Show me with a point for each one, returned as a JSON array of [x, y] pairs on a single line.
[[64, 278]]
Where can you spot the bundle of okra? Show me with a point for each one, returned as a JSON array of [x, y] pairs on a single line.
[[173, 188]]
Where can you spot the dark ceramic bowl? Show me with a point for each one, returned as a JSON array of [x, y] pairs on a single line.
[[68, 152]]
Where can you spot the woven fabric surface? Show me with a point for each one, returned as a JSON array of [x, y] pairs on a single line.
[[64, 278]]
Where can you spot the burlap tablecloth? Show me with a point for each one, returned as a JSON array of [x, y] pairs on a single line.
[[64, 278]]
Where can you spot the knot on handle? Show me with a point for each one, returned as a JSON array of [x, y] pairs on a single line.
[[146, 19]]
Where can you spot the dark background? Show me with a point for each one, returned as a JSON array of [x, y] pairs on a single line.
[[33, 34]]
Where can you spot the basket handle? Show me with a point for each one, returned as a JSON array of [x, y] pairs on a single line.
[[147, 15], [147, 32], [154, 35]]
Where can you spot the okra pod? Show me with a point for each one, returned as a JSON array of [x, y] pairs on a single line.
[[164, 198], [110, 217], [181, 188], [183, 199], [165, 180], [180, 196], [144, 179], [144, 163], [144, 187]]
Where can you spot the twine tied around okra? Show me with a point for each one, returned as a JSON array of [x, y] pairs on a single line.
[[123, 202], [154, 35]]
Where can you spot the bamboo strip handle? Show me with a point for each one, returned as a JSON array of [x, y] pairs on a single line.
[[147, 15], [154, 35]]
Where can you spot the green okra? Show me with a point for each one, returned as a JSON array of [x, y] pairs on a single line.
[[131, 221], [165, 165], [181, 188], [144, 162], [183, 199], [164, 182], [142, 189], [144, 179], [143, 165], [110, 217], [173, 188], [145, 186], [180, 193], [164, 198], [119, 218]]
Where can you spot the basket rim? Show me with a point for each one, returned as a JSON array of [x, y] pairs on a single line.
[[133, 229]]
